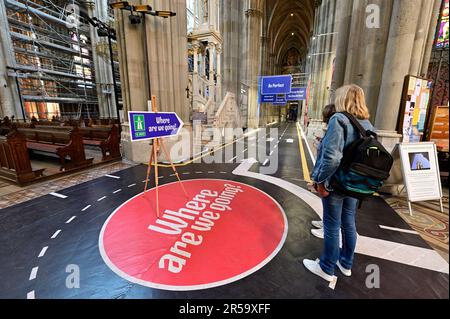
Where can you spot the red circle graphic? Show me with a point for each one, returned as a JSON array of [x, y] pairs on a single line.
[[222, 232]]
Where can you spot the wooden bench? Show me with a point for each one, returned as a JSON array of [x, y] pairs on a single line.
[[62, 143], [15, 164], [106, 138]]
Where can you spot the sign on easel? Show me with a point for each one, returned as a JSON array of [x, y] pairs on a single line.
[[153, 126], [421, 172]]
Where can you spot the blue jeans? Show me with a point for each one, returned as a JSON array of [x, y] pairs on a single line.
[[338, 212]]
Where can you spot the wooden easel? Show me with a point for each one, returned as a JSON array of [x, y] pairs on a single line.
[[154, 162]]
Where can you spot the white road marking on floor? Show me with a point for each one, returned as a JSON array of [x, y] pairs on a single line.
[[160, 177], [276, 146], [265, 162], [100, 199], [70, 219], [58, 195], [172, 175], [333, 283], [198, 172], [408, 231], [271, 153], [87, 207], [290, 141], [186, 173], [56, 234], [313, 159], [30, 295], [232, 159], [112, 176], [223, 173], [270, 139], [33, 273], [245, 150], [131, 185], [117, 191], [211, 172], [404, 254], [43, 251]]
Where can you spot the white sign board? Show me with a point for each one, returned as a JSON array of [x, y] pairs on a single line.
[[421, 171]]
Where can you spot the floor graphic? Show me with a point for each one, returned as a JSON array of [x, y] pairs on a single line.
[[223, 232], [48, 240]]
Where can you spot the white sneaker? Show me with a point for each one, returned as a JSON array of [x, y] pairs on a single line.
[[317, 223], [345, 272], [314, 267], [318, 233]]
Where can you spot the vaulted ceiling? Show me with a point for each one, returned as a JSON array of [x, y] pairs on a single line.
[[289, 26]]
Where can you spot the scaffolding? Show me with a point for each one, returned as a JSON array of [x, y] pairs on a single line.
[[54, 58]]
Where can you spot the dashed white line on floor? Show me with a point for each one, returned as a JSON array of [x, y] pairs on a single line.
[[87, 207], [161, 177], [101, 198], [33, 273], [408, 231], [198, 172], [271, 153], [70, 219], [186, 173], [211, 172], [265, 162], [56, 234], [223, 173], [112, 176], [289, 141], [131, 185], [117, 191], [43, 251], [232, 159], [30, 295], [245, 150], [275, 146], [58, 195]]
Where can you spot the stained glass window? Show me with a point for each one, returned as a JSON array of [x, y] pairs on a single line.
[[442, 32]]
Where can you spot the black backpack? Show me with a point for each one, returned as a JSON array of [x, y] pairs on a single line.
[[365, 165]]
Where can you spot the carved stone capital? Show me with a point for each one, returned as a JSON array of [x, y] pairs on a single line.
[[253, 13]]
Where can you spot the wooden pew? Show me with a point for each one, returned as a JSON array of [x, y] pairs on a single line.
[[106, 138], [15, 164], [62, 143]]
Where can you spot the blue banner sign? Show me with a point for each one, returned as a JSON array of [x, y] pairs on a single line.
[[280, 100], [150, 125], [297, 94], [278, 84], [267, 98]]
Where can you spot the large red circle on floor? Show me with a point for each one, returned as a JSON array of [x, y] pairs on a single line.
[[222, 232]]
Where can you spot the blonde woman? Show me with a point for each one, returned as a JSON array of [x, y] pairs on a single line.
[[338, 210]]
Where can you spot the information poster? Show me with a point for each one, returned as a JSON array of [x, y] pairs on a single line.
[[414, 109], [421, 171]]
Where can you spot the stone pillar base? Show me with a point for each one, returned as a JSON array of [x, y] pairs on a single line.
[[390, 140]]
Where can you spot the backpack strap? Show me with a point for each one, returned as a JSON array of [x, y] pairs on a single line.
[[356, 124]]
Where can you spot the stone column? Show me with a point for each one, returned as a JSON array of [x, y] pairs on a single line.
[[219, 73], [195, 78], [345, 17], [421, 37], [430, 38], [212, 91], [253, 15], [154, 50], [9, 96], [400, 44]]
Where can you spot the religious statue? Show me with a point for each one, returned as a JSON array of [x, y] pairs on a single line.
[[205, 9]]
